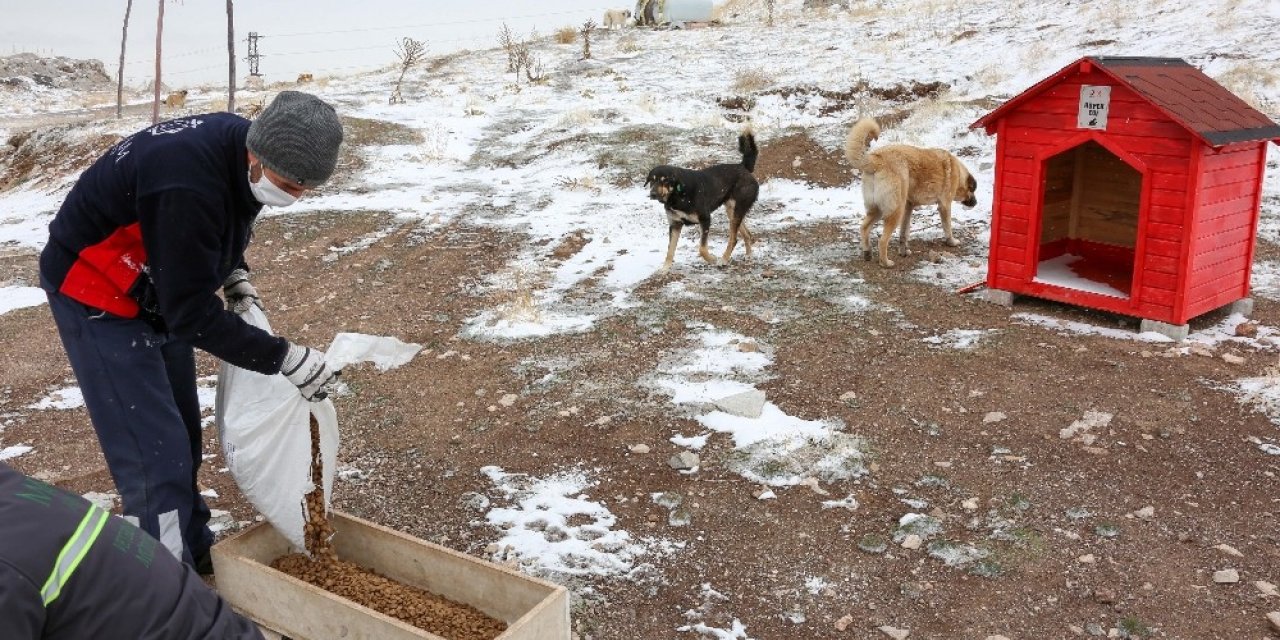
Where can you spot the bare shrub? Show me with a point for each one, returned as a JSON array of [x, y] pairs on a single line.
[[751, 80], [628, 44], [410, 52], [566, 35], [586, 38], [508, 42]]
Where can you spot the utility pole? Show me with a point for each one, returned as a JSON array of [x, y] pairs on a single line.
[[253, 53]]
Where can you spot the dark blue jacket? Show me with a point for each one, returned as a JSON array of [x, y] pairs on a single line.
[[125, 585], [153, 228]]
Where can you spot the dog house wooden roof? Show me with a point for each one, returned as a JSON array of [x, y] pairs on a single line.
[[1144, 201], [1178, 89]]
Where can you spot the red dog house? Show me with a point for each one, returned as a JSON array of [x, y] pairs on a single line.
[[1130, 185]]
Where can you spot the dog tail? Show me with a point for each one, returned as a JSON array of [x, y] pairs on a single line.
[[747, 146], [860, 137]]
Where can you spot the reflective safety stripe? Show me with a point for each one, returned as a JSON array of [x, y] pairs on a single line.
[[73, 552]]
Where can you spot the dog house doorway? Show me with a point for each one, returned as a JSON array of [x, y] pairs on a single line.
[[1089, 221]]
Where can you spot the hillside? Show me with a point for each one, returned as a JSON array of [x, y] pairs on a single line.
[[923, 461]]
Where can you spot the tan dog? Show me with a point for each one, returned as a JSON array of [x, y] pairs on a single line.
[[176, 100], [898, 178], [304, 78]]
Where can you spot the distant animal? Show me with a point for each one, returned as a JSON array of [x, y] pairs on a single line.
[[616, 18], [690, 196], [898, 178], [304, 77], [176, 100]]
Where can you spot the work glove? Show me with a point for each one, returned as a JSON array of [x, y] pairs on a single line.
[[306, 369], [239, 293]]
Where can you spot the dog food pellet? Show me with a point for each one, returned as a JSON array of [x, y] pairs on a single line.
[[427, 611]]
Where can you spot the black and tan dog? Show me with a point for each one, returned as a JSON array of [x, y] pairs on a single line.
[[691, 195], [898, 178]]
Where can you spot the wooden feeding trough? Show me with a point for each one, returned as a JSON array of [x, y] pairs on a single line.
[[1130, 185], [533, 609]]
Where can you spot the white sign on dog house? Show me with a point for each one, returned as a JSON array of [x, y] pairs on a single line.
[[1095, 102]]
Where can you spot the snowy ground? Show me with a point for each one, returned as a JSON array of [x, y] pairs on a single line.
[[566, 157]]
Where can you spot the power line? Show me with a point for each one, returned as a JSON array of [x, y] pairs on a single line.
[[436, 24]]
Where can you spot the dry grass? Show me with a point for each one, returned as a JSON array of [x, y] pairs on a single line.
[[751, 80], [628, 44], [517, 303], [577, 118], [566, 35], [1247, 80], [1115, 13]]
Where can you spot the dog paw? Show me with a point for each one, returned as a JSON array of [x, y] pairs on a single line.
[[888, 264], [952, 242], [904, 251], [866, 255]]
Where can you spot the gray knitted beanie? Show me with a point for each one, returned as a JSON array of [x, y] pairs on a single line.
[[297, 136]]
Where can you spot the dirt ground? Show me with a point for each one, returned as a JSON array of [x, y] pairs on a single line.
[[1069, 543]]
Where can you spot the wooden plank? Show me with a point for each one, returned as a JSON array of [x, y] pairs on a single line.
[[1017, 194], [1162, 264], [1232, 175], [1019, 226], [1172, 199], [532, 608], [1018, 210], [1218, 253], [1223, 160], [1215, 301], [1220, 193], [1157, 280], [1025, 166], [1157, 247], [1163, 231], [1236, 206], [1156, 296], [1025, 148], [1213, 231], [1173, 216]]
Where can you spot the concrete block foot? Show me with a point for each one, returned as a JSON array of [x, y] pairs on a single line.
[[1176, 331]]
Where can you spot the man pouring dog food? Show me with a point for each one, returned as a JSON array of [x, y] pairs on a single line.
[[136, 256]]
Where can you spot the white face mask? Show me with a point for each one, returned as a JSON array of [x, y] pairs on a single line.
[[266, 191]]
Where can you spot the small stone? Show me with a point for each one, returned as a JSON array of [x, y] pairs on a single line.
[[996, 638], [1226, 576], [1094, 629], [912, 541], [994, 416], [894, 632], [1104, 596], [1201, 350], [765, 493], [748, 404], [843, 623], [1231, 358], [813, 485], [1267, 589], [491, 548], [970, 505], [848, 396], [1229, 550], [942, 464], [1274, 619], [1145, 513], [1076, 629], [684, 461], [640, 449], [1247, 329], [748, 347], [1087, 559]]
